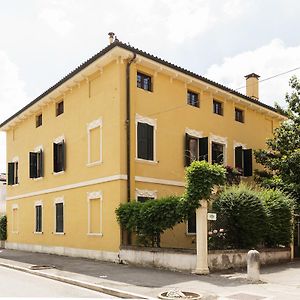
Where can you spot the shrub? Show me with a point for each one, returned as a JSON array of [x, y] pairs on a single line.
[[245, 216], [3, 228], [279, 209]]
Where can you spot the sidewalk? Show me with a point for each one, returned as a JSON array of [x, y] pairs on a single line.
[[278, 282]]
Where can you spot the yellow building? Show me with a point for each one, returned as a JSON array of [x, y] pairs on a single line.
[[121, 126]]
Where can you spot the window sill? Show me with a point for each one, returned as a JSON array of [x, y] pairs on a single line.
[[38, 233], [95, 163], [59, 233], [14, 185], [58, 173], [151, 162], [95, 234], [37, 179], [190, 234]]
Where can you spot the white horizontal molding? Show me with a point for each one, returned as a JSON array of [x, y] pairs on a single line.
[[94, 195], [218, 139], [141, 119], [94, 124], [59, 139], [145, 193], [71, 186], [194, 133], [237, 144], [159, 181]]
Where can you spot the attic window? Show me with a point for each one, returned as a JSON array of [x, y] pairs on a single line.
[[59, 108], [38, 120], [144, 81]]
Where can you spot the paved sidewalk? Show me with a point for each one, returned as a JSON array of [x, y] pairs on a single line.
[[278, 282]]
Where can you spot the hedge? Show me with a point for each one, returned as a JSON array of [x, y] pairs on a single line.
[[3, 228]]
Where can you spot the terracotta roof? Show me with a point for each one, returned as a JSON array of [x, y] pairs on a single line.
[[146, 55]]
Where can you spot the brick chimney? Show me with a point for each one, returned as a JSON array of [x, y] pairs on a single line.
[[252, 85]]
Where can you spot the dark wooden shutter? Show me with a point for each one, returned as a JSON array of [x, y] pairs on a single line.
[[55, 158], [41, 164], [150, 134], [187, 154], [38, 220], [33, 165], [142, 140], [192, 223], [59, 217], [247, 162], [11, 175], [203, 148], [238, 157], [63, 156]]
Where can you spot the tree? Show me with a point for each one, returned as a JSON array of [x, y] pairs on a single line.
[[282, 157]]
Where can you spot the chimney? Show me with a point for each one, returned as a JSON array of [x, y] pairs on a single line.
[[111, 37], [252, 85]]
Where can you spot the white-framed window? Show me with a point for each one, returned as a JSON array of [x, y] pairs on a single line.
[[145, 195], [95, 213], [243, 159], [15, 218], [38, 213], [94, 132], [145, 138], [59, 215], [13, 171], [218, 146], [36, 163], [59, 155]]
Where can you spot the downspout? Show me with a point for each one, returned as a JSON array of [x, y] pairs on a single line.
[[128, 124]]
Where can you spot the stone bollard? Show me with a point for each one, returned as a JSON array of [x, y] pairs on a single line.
[[253, 265]]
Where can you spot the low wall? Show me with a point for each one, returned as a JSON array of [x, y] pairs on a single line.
[[185, 260]]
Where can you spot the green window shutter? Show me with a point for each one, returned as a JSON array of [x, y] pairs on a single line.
[[247, 162], [32, 165], [187, 154], [11, 175], [203, 148], [238, 151]]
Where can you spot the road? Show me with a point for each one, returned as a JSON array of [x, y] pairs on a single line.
[[15, 283]]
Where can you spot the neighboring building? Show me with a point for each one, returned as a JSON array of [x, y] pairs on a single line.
[[2, 194], [67, 150]]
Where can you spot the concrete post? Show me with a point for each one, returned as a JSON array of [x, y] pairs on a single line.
[[201, 231], [253, 265]]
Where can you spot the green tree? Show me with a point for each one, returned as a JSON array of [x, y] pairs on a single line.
[[282, 157]]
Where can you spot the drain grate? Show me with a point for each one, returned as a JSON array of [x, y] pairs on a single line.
[[41, 267]]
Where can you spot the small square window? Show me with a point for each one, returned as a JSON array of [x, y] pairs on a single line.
[[218, 107], [192, 99], [39, 120], [59, 108], [239, 115], [144, 82]]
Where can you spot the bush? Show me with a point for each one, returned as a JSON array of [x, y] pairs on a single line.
[[245, 216], [3, 228], [279, 209]]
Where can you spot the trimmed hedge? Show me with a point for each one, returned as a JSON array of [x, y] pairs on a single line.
[[3, 228]]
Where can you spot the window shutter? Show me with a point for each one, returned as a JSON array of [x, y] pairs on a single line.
[[203, 148], [63, 156], [187, 155], [55, 157], [41, 164], [142, 140], [238, 157], [150, 134], [247, 162], [11, 175], [32, 165], [59, 217]]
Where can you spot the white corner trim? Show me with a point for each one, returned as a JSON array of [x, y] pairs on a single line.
[[159, 181], [141, 119], [59, 139], [237, 144], [218, 139], [94, 124], [71, 186], [94, 195], [194, 133], [145, 193]]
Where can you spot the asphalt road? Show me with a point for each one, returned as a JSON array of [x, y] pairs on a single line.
[[14, 283]]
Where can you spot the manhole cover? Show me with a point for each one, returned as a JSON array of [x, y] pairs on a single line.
[[41, 267], [243, 296], [172, 295]]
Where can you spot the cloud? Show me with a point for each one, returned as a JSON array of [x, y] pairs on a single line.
[[268, 60], [12, 97]]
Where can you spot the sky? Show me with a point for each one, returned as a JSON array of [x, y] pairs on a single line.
[[43, 40]]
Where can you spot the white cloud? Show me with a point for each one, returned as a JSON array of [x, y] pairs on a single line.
[[12, 97], [266, 61]]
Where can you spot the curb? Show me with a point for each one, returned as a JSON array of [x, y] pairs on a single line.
[[90, 286]]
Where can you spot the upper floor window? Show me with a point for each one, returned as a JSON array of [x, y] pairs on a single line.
[[38, 120], [145, 141], [59, 108], [243, 160], [13, 170], [239, 115], [195, 149], [36, 164], [59, 156], [192, 99], [144, 81], [217, 153], [218, 107]]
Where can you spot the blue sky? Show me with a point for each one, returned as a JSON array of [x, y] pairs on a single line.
[[41, 41]]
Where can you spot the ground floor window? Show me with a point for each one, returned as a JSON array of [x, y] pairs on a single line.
[[217, 153], [59, 217], [38, 218], [191, 224]]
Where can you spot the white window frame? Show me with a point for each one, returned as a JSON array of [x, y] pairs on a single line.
[[14, 160], [38, 203], [15, 206], [195, 134], [58, 140], [90, 126], [38, 149], [219, 140], [145, 193], [56, 201], [93, 196], [151, 122]]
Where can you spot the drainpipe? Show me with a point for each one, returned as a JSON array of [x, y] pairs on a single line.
[[128, 144]]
